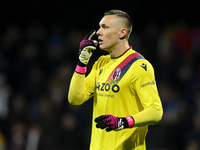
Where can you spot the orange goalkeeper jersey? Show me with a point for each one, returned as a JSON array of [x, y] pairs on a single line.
[[121, 87]]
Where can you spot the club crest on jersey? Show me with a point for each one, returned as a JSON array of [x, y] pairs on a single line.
[[116, 74]]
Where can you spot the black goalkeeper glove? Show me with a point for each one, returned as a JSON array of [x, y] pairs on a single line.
[[111, 122]]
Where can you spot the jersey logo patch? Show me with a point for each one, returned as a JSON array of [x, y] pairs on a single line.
[[116, 74], [144, 66]]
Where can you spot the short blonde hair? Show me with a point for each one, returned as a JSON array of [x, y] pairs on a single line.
[[127, 22]]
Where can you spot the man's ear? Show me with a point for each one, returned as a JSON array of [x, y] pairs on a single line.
[[122, 33]]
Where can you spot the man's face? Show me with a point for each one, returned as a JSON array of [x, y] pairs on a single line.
[[108, 33]]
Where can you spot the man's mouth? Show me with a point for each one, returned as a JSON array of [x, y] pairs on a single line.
[[100, 41]]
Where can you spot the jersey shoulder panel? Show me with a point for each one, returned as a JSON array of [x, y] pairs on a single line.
[[102, 60], [143, 67]]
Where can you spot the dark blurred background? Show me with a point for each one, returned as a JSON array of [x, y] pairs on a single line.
[[39, 42]]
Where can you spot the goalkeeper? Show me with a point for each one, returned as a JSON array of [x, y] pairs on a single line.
[[122, 84]]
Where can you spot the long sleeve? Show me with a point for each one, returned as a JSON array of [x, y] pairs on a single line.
[[148, 116], [146, 89], [81, 87], [77, 95]]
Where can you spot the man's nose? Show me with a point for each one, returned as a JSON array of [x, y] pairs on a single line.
[[98, 32]]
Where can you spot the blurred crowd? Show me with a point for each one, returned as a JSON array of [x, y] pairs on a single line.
[[36, 66]]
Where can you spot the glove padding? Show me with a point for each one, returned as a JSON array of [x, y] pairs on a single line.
[[111, 122], [87, 45]]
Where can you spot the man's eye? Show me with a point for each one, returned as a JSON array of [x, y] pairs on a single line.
[[105, 27]]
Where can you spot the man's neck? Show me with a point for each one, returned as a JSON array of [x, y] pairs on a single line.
[[119, 50]]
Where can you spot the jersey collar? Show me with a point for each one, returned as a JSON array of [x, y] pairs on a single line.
[[122, 53]]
